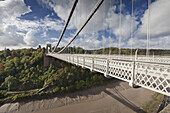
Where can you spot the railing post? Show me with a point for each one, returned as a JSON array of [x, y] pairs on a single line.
[[73, 59], [83, 62], [106, 74], [77, 60], [68, 58], [132, 82], [92, 65]]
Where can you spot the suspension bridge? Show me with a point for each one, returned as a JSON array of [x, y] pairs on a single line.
[[149, 72]]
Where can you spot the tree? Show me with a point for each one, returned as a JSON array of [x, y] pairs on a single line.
[[39, 46], [8, 58], [26, 60], [13, 53], [56, 89], [62, 89], [10, 67], [1, 55], [11, 83], [16, 61], [80, 50], [82, 84], [2, 67], [2, 94], [7, 52]]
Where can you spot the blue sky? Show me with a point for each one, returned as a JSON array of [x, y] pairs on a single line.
[[28, 23]]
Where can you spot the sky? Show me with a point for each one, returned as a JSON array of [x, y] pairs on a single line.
[[29, 23]]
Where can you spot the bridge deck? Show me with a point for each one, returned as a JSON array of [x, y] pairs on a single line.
[[149, 72]]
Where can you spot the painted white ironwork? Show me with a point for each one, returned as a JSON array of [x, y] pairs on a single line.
[[150, 73]]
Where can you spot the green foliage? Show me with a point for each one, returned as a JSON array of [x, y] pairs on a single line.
[[6, 53], [15, 97], [56, 89], [11, 83], [2, 67], [16, 61], [23, 70], [151, 107], [3, 94], [62, 89]]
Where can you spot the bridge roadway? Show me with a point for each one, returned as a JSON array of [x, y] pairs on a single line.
[[149, 72]]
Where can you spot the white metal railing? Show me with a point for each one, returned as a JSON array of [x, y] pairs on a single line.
[[153, 74]]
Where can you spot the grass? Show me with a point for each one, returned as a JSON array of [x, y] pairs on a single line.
[[153, 105]]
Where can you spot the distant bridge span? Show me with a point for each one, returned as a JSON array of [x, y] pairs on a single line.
[[150, 73]]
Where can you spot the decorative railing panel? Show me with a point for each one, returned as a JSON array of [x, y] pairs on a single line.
[[153, 76], [121, 69]]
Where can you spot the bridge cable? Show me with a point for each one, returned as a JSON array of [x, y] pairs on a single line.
[[66, 24], [68, 51], [86, 17], [148, 30], [93, 51], [77, 23], [149, 26], [120, 27], [103, 28], [89, 17], [80, 20], [93, 35], [131, 27], [105, 25], [110, 33]]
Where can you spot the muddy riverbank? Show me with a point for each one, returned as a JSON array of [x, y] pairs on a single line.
[[114, 97]]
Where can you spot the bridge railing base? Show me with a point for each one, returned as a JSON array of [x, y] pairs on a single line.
[[133, 85]]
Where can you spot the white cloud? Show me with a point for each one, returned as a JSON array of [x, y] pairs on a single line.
[[159, 19], [9, 11], [62, 8], [42, 24], [88, 41], [51, 24], [91, 41], [113, 22], [82, 10], [44, 34], [159, 27], [162, 42], [15, 32], [105, 17], [54, 39], [30, 39]]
